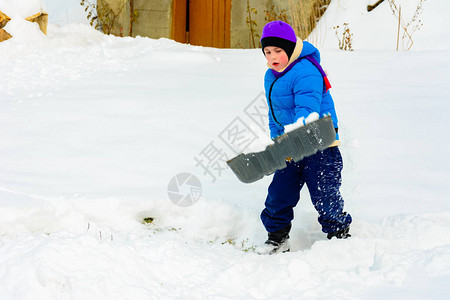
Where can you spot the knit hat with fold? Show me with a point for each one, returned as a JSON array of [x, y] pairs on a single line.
[[279, 34]]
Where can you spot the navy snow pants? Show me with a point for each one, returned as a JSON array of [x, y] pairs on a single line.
[[322, 174]]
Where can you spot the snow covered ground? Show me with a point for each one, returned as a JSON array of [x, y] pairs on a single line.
[[93, 128], [424, 21]]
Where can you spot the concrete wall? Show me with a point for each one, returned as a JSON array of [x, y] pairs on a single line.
[[154, 18], [113, 16], [151, 18], [240, 31]]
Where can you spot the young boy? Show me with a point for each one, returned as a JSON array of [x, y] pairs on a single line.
[[296, 86]]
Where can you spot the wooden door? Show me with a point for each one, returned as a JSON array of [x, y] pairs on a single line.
[[209, 23], [179, 21]]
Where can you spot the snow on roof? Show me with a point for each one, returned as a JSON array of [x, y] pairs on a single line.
[[22, 8]]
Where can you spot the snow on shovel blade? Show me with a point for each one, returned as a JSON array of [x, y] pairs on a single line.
[[298, 144]]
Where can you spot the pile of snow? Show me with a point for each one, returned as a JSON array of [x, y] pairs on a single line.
[[24, 31], [20, 29], [23, 8]]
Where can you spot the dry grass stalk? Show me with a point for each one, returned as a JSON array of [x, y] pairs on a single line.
[[305, 15]]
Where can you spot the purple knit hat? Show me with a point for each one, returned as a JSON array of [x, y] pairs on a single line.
[[279, 34]]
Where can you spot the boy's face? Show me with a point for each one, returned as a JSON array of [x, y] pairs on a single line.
[[276, 57]]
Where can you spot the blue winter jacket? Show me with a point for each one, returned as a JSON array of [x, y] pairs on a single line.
[[298, 92]]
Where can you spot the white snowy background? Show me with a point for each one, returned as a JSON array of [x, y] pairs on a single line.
[[94, 127]]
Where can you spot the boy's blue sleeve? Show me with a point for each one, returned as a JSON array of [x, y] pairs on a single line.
[[307, 93], [275, 129]]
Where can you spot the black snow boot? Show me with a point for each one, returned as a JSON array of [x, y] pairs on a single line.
[[340, 234], [278, 242]]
